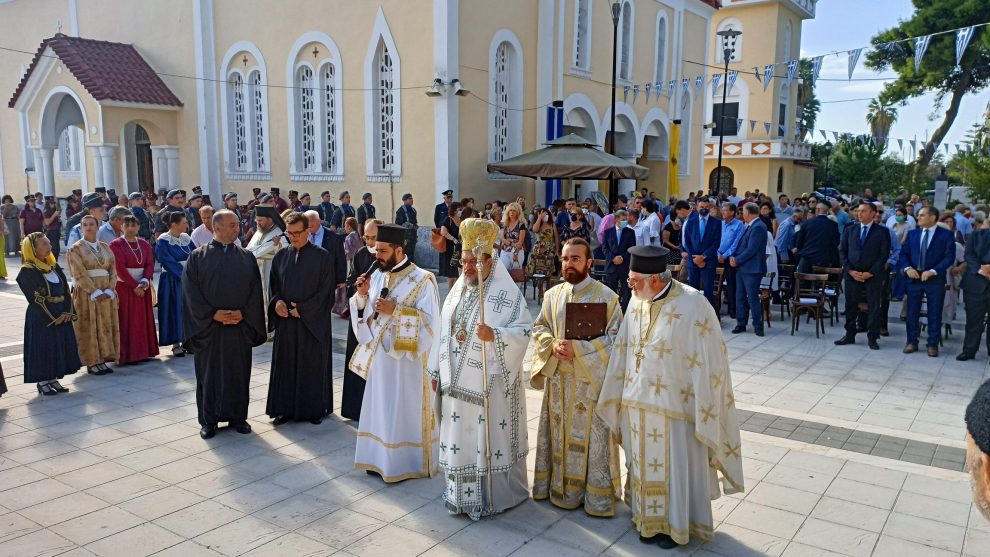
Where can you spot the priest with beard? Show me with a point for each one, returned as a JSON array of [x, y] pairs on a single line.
[[483, 446], [363, 264], [394, 315], [668, 392], [301, 296], [223, 319], [577, 457]]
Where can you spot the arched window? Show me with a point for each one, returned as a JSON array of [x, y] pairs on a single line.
[[315, 141], [505, 96], [244, 105], [383, 122], [582, 34], [783, 109], [684, 150], [626, 41], [67, 153], [659, 71], [734, 44], [728, 180], [780, 180]]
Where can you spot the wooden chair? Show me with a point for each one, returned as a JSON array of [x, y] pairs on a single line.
[[809, 297], [766, 294], [598, 270], [719, 279], [784, 287], [833, 289]]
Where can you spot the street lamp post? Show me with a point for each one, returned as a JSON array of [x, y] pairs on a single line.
[[828, 155], [613, 186], [728, 48]]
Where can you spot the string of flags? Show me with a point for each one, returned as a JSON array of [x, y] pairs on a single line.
[[764, 75]]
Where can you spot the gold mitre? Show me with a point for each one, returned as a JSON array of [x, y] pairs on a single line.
[[474, 231]]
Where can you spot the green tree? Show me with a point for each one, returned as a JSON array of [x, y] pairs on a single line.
[[937, 72], [808, 105], [880, 116]]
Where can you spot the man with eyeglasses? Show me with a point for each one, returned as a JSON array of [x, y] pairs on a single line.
[[361, 265], [667, 389]]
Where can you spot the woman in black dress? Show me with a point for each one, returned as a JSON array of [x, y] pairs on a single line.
[[450, 229], [353, 394], [50, 349]]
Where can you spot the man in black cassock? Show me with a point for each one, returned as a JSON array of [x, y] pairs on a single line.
[[223, 318], [301, 297], [350, 405]]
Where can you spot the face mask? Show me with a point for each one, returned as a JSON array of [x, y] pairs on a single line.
[[546, 218], [679, 220], [623, 224], [460, 214], [372, 251], [703, 212], [900, 219]]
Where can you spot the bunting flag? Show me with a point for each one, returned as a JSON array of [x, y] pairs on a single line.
[[816, 68], [670, 91], [685, 83], [731, 81], [739, 125], [782, 129], [792, 67], [766, 128], [716, 80], [957, 148], [835, 136], [962, 41], [853, 60], [635, 93], [824, 136], [752, 126], [646, 91], [920, 46], [756, 70], [767, 75], [946, 145], [625, 94], [914, 145], [659, 89], [900, 144], [699, 83]]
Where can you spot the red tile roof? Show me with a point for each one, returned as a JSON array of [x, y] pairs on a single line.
[[108, 71]]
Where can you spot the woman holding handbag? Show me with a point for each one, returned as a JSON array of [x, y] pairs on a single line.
[[512, 239]]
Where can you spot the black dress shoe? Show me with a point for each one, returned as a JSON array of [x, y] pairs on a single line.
[[666, 542], [58, 387], [738, 330], [46, 389], [884, 333], [845, 340], [316, 421], [759, 333], [964, 356], [242, 427], [95, 370], [279, 420], [650, 540], [208, 431], [873, 345]]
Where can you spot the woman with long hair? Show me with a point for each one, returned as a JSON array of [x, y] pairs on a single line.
[[94, 270], [450, 229], [512, 237], [172, 250], [769, 217], [542, 260], [50, 348], [135, 271]]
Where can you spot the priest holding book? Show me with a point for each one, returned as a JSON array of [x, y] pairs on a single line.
[[577, 457]]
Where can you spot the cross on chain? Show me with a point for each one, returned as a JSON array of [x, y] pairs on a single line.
[[499, 302]]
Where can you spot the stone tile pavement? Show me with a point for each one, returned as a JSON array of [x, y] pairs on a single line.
[[117, 467]]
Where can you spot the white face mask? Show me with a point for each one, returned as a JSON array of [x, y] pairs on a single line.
[[372, 251], [546, 218]]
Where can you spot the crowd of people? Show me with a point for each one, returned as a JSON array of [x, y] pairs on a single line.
[[635, 362]]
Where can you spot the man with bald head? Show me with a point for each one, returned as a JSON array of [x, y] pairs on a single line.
[[321, 236]]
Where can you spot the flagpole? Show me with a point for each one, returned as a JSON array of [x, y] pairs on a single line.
[[729, 40]]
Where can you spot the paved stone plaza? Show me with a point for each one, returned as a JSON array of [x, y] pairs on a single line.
[[846, 452]]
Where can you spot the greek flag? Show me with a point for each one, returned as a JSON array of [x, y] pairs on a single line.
[[962, 41], [673, 86], [853, 60], [635, 92], [816, 68], [792, 67], [731, 80], [699, 82], [920, 46], [767, 75], [625, 94], [716, 80]]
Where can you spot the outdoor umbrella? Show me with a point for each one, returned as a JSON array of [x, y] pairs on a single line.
[[570, 156]]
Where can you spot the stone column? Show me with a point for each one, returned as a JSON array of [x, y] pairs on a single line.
[[108, 159], [159, 168], [44, 168], [172, 163]]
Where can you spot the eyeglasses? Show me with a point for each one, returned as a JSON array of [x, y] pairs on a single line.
[[370, 238], [631, 280]]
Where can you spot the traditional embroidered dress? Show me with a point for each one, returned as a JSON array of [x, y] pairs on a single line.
[[97, 329], [456, 362], [172, 252], [263, 247], [668, 389], [577, 457], [135, 266], [397, 432]]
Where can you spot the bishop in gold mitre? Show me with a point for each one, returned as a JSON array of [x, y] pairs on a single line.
[[667, 390]]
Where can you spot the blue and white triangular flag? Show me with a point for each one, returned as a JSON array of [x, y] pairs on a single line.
[[767, 75], [914, 145], [699, 82], [920, 46], [752, 126], [962, 41], [781, 128], [685, 83], [946, 145], [731, 81], [792, 67], [835, 136], [756, 71], [900, 144], [957, 148], [625, 94], [739, 125], [824, 136], [853, 60], [673, 87], [646, 91], [658, 90], [766, 128], [716, 80], [635, 92], [816, 68]]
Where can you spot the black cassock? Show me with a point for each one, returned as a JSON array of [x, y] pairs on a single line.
[[219, 277], [300, 386], [350, 405]]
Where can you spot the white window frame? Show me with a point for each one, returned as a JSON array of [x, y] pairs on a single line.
[[381, 35], [582, 29], [627, 44], [257, 134], [660, 51], [70, 139], [511, 110], [330, 55], [729, 22], [739, 94]]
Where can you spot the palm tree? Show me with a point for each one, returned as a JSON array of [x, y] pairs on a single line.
[[881, 116]]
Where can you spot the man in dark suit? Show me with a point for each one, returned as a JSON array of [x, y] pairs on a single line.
[[864, 249], [976, 284], [326, 207], [322, 236], [615, 245], [926, 255], [405, 216], [365, 211], [442, 210], [700, 239], [817, 242], [750, 263]]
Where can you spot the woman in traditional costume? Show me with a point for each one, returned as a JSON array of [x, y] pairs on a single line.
[[50, 349], [172, 251], [135, 271], [95, 273]]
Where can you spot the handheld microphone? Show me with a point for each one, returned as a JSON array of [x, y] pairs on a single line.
[[374, 267], [382, 295]]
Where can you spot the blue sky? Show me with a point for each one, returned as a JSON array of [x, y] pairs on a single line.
[[847, 24]]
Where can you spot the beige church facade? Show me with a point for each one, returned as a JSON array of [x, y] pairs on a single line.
[[332, 95]]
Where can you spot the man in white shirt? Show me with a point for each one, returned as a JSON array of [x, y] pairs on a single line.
[[204, 233], [653, 222], [640, 227]]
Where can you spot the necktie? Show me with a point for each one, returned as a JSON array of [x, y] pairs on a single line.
[[924, 248], [862, 236], [701, 226]]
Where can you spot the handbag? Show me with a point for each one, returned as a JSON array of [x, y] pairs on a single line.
[[437, 240]]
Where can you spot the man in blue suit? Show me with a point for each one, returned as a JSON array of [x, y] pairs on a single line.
[[615, 245], [750, 263], [926, 255], [701, 237]]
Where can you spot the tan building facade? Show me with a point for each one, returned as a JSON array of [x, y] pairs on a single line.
[[762, 148], [315, 96]]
